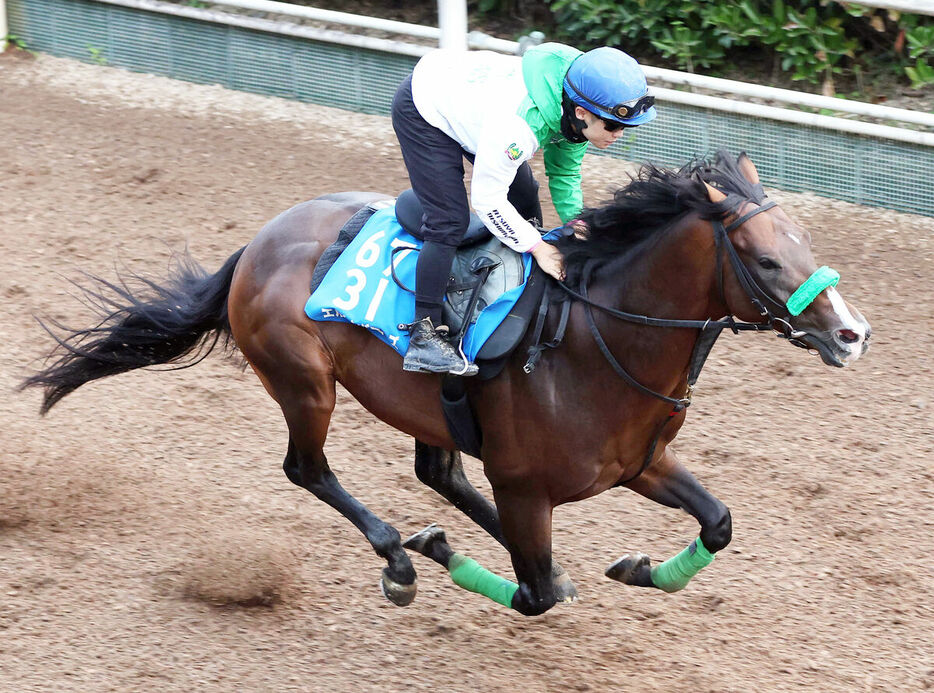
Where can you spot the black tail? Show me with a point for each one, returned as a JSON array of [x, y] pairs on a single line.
[[158, 324]]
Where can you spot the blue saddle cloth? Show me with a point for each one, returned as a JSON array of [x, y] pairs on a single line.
[[359, 288]]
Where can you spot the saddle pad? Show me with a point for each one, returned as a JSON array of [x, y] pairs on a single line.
[[359, 288]]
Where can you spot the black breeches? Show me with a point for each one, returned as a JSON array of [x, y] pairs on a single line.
[[435, 164]]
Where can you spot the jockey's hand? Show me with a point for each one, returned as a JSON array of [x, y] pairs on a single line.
[[580, 228], [549, 259]]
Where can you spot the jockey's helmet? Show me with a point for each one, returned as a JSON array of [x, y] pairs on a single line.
[[611, 85]]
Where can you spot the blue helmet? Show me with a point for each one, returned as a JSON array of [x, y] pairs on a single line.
[[610, 84]]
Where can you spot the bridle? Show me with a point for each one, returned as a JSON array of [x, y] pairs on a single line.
[[775, 315]]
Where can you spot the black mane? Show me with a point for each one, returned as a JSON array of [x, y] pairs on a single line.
[[654, 199]]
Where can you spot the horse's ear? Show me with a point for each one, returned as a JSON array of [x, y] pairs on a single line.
[[713, 194], [747, 168]]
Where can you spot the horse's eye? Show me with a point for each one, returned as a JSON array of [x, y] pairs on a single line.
[[768, 263]]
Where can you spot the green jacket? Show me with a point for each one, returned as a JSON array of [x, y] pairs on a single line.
[[543, 70]]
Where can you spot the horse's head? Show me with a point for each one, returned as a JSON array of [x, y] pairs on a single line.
[[774, 275]]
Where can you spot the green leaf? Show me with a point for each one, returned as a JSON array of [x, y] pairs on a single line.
[[921, 75]]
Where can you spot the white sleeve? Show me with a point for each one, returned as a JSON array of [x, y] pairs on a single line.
[[503, 147]]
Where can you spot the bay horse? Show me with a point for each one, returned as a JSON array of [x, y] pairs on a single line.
[[693, 250]]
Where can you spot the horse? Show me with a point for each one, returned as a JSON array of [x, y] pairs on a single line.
[[695, 250]]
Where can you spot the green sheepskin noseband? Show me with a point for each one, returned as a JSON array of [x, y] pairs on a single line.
[[813, 285]]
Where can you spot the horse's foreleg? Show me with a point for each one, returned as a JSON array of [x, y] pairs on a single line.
[[669, 483], [443, 471], [526, 520]]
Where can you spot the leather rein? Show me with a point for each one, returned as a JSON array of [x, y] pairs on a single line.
[[775, 314], [775, 317]]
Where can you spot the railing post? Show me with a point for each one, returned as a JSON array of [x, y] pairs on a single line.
[[3, 26], [452, 20]]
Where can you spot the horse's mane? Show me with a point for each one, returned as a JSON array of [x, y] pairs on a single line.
[[653, 200]]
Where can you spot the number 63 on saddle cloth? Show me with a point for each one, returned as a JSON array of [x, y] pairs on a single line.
[[359, 287]]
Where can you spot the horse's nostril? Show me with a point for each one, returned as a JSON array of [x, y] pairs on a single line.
[[848, 336]]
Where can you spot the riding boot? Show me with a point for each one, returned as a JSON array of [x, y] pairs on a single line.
[[429, 352]]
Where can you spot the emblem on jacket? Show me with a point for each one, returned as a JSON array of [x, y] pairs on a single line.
[[513, 151]]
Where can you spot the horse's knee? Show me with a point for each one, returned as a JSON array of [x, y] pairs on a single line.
[[529, 604], [718, 534]]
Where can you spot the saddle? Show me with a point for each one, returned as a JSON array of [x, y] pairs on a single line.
[[483, 269]]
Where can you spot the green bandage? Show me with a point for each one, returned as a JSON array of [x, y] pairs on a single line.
[[675, 573], [472, 576], [813, 285]]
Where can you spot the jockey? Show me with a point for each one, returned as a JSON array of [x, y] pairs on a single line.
[[497, 111]]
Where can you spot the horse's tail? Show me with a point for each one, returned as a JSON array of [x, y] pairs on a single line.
[[152, 325]]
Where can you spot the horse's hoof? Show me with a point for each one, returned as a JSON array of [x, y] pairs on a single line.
[[565, 591], [400, 595], [420, 541], [626, 570]]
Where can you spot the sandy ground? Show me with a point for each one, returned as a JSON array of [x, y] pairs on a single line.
[[140, 518]]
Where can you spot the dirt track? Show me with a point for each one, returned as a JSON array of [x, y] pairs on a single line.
[[142, 502]]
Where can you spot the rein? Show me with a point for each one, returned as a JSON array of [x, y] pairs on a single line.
[[709, 329]]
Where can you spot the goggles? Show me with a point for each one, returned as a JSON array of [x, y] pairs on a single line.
[[630, 109], [612, 125], [624, 110]]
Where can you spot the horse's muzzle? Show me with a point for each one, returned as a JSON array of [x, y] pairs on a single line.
[[839, 348]]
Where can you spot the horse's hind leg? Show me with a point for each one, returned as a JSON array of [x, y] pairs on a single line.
[[306, 393], [669, 483], [310, 470], [443, 471], [527, 524]]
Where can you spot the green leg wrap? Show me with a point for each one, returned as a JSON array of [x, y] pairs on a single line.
[[472, 576], [675, 573]]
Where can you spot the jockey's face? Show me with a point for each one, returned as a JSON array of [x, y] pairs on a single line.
[[595, 130]]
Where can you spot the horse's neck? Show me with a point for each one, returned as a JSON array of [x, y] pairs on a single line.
[[672, 276]]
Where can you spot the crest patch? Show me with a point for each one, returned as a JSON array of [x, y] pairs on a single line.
[[513, 152]]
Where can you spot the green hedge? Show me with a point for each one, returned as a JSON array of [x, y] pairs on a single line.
[[814, 41]]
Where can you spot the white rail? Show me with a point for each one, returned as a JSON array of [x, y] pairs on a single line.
[[792, 116], [276, 27], [482, 41], [479, 40], [329, 16], [788, 96], [906, 6], [3, 26], [454, 11]]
